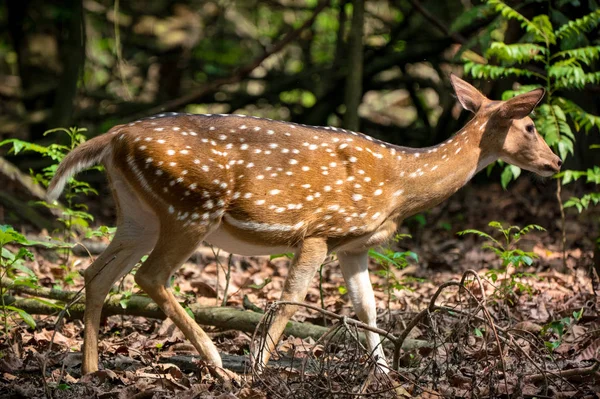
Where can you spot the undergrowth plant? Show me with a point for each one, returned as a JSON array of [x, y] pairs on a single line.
[[389, 260], [555, 331], [74, 214], [553, 53], [11, 264], [513, 259], [14, 273]]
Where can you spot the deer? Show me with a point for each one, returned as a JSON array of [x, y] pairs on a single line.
[[255, 186]]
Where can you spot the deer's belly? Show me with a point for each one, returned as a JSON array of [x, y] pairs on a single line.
[[243, 242]]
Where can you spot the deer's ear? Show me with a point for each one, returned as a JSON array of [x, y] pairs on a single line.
[[520, 106], [469, 97]]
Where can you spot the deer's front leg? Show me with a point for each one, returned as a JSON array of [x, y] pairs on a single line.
[[356, 273], [309, 257]]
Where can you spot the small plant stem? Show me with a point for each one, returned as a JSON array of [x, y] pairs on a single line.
[[563, 220], [227, 278], [321, 293], [389, 292], [4, 312], [216, 255]]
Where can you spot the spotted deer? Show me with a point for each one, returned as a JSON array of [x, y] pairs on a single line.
[[256, 186]]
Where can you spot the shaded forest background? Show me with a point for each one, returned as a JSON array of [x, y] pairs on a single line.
[[95, 64]]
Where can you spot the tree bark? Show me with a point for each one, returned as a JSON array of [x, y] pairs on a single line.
[[72, 57], [354, 77]]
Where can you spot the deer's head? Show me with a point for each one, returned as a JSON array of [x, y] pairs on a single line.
[[508, 131]]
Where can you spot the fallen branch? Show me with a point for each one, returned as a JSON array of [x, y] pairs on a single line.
[[136, 305], [573, 373]]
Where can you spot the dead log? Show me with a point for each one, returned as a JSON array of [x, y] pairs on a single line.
[[226, 318]]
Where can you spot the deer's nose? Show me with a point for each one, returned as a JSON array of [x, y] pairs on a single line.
[[558, 162]]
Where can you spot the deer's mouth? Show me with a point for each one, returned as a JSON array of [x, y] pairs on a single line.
[[549, 169]]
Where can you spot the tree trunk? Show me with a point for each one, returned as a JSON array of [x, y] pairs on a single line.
[[72, 57], [353, 93]]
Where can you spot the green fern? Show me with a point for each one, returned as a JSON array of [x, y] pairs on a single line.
[[551, 120], [573, 67], [587, 55], [580, 25], [485, 71], [519, 53], [508, 94], [580, 118], [540, 27], [568, 74], [583, 202]]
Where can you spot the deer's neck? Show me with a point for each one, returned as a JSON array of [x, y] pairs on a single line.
[[427, 176]]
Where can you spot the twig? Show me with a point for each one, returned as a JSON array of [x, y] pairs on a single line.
[[481, 305], [580, 372], [357, 323], [321, 294], [227, 279], [562, 226], [219, 266], [417, 319]]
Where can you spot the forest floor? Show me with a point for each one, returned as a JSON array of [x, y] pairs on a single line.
[[527, 332]]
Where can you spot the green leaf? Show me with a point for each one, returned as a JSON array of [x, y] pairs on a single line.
[[516, 171], [569, 176], [480, 234], [484, 71], [587, 55], [581, 118], [518, 53], [24, 269], [26, 317], [9, 235], [23, 253], [19, 146], [580, 25], [552, 345], [48, 303], [584, 202], [506, 177], [568, 74], [508, 94], [260, 286], [540, 27]]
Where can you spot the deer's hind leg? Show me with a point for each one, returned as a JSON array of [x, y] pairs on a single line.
[[310, 255], [175, 245], [137, 231]]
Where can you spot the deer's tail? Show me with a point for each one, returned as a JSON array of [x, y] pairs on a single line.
[[88, 154]]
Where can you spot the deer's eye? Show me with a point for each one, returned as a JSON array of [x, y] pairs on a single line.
[[530, 128]]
